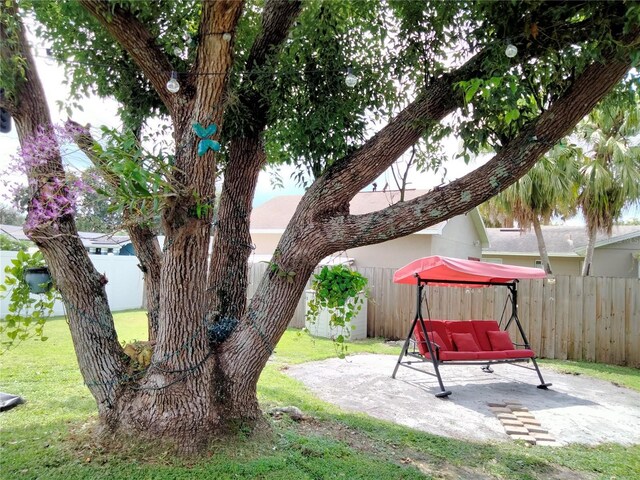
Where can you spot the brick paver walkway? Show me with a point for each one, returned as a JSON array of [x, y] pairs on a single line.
[[520, 424]]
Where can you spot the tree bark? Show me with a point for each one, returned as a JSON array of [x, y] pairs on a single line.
[[588, 257], [542, 247], [228, 272], [147, 248]]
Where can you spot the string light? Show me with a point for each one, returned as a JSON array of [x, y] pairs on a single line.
[[198, 74], [351, 80], [172, 85], [177, 51], [226, 37], [511, 50]]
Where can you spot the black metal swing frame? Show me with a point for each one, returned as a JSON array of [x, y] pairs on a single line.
[[421, 284]]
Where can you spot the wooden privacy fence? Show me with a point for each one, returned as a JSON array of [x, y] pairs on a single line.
[[568, 318]]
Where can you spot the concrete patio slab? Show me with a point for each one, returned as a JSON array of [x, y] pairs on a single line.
[[576, 409]]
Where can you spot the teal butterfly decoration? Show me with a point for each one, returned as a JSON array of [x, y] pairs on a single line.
[[204, 132], [205, 144]]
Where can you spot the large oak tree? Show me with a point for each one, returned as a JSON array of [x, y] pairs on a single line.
[[270, 75]]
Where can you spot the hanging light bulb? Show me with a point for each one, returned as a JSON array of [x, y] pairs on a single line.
[[48, 59], [226, 37], [351, 80], [177, 51], [511, 50], [172, 85]]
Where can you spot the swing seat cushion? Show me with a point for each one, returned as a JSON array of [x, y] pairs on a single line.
[[504, 355], [468, 340], [460, 356], [520, 353]]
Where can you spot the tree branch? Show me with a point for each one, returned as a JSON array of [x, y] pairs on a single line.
[[214, 56], [134, 37], [82, 288], [349, 175], [144, 240], [515, 159], [232, 241], [277, 19]]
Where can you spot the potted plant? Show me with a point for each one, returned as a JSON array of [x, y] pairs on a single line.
[[336, 306], [38, 279]]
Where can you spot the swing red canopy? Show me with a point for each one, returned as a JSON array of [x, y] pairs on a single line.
[[455, 269]]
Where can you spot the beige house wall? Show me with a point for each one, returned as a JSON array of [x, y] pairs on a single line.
[[392, 254], [459, 239], [265, 243], [617, 259], [559, 265]]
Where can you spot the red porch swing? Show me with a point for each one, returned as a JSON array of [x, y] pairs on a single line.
[[458, 342]]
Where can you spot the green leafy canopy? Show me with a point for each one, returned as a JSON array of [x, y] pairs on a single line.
[[395, 48]]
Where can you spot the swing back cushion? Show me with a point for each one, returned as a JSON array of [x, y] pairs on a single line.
[[465, 342], [437, 334], [500, 340], [481, 329]]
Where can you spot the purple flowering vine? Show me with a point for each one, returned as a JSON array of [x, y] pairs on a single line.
[[51, 194]]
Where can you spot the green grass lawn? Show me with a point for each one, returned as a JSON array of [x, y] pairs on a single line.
[[47, 437], [620, 376]]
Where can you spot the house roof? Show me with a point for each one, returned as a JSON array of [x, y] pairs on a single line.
[[561, 240], [274, 215], [89, 239]]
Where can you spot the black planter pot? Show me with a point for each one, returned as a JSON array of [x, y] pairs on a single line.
[[38, 279]]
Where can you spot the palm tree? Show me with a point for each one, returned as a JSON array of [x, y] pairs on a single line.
[[548, 189], [610, 172]]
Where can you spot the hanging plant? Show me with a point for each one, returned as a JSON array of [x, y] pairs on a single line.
[[340, 291], [27, 313]]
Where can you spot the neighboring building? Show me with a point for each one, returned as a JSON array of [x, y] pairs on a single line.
[[615, 256], [461, 237], [94, 243]]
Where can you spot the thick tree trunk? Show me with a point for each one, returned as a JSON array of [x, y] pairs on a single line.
[[588, 257], [542, 246], [228, 280]]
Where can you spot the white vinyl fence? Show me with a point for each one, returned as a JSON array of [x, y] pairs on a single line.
[[124, 289]]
